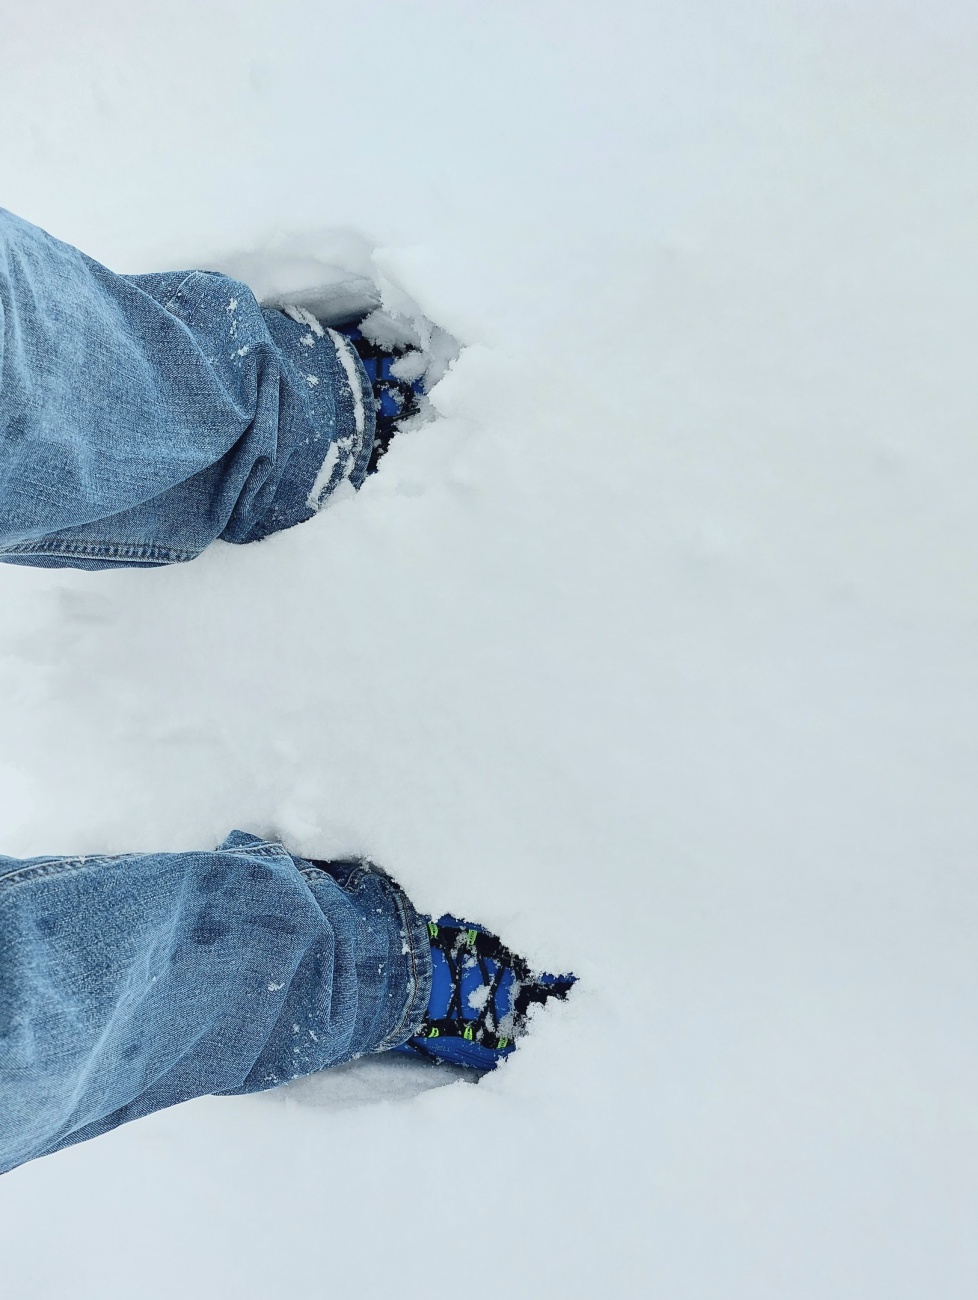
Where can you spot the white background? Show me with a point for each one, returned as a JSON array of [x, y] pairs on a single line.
[[656, 652]]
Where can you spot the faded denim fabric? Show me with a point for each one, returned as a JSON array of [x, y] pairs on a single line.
[[132, 983], [143, 416]]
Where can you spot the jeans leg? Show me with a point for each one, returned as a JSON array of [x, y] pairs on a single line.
[[132, 983], [141, 417]]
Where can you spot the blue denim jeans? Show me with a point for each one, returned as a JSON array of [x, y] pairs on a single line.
[[131, 983], [143, 416]]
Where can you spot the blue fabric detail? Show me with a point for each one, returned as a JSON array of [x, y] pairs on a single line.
[[135, 982], [143, 416]]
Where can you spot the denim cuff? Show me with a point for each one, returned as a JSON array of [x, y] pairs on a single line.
[[325, 432], [362, 986], [416, 952], [403, 993]]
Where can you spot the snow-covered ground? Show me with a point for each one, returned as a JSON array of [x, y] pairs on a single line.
[[656, 651]]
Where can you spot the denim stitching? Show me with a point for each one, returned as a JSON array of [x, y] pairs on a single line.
[[63, 866], [126, 552], [184, 304], [414, 1006], [40, 870]]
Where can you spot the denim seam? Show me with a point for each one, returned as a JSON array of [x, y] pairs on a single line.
[[64, 866], [414, 931], [42, 870], [184, 304], [124, 552]]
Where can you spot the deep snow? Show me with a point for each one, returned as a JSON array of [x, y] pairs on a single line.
[[654, 652]]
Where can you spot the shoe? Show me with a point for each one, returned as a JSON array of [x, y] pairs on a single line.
[[481, 993], [396, 374]]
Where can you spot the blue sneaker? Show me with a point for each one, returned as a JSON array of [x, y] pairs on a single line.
[[481, 993], [396, 397]]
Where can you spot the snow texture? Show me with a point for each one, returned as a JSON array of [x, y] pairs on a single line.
[[654, 651]]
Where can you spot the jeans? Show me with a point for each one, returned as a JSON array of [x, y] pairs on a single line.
[[132, 983], [143, 416]]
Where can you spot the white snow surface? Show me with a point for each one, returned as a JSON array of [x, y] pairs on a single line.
[[655, 651]]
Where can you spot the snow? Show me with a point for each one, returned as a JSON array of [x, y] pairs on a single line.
[[344, 351], [655, 651]]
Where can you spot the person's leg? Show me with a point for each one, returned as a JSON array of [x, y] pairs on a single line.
[[141, 417], [132, 983]]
